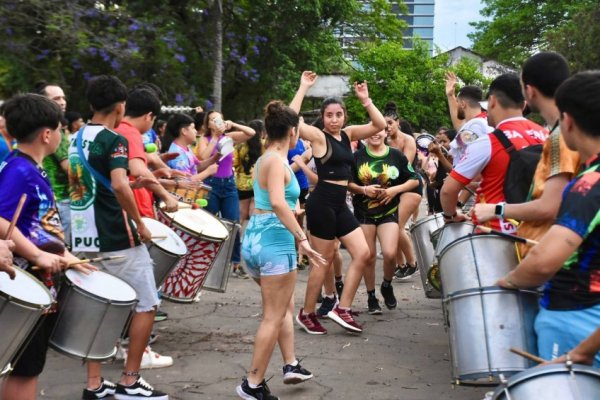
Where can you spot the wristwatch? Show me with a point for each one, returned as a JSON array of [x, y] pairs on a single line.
[[448, 217], [499, 210]]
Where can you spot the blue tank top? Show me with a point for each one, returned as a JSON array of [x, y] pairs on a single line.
[[261, 196], [298, 151]]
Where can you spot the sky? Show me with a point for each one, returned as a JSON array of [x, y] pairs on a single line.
[[451, 23]]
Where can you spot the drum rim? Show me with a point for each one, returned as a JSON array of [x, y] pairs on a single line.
[[472, 235], [153, 244], [425, 220], [486, 289], [105, 300], [544, 370], [201, 235], [26, 303], [65, 352]]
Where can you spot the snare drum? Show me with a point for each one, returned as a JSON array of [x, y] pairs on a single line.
[[166, 249], [189, 195], [203, 235], [552, 382], [93, 312], [23, 301]]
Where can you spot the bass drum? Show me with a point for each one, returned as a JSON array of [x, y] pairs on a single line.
[[420, 234], [552, 382]]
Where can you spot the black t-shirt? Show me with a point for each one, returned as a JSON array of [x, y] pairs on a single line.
[[390, 169], [577, 284]]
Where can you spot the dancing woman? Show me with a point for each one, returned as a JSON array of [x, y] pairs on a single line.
[[327, 214], [270, 253]]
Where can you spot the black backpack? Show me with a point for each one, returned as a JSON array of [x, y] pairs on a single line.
[[521, 168]]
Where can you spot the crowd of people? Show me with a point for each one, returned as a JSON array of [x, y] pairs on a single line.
[[90, 185]]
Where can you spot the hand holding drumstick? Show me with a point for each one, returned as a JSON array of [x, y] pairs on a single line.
[[6, 257]]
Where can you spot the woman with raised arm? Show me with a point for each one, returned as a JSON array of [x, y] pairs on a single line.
[[270, 253], [327, 214]]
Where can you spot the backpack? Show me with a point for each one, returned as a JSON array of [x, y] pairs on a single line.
[[521, 168]]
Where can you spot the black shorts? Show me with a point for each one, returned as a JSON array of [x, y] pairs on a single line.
[[33, 358], [303, 195], [327, 215], [245, 194], [367, 220]]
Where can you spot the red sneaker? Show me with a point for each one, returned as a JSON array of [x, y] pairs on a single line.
[[310, 323], [344, 319]]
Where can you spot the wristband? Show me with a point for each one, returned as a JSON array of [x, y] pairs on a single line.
[[367, 103], [499, 210], [449, 216], [460, 204], [365, 190]]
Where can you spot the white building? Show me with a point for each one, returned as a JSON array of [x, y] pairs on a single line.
[[489, 68]]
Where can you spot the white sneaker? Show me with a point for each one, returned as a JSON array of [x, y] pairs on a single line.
[[151, 359], [121, 353]]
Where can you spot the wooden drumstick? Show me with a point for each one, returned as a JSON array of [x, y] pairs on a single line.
[[158, 237], [528, 356], [16, 216], [87, 260], [519, 239]]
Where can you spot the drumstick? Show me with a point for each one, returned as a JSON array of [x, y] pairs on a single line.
[[16, 216], [87, 260], [159, 237], [519, 239], [528, 356]]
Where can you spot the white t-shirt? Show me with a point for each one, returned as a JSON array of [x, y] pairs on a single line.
[[472, 130]]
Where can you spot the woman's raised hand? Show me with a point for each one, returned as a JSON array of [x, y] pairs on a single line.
[[361, 90], [308, 78]]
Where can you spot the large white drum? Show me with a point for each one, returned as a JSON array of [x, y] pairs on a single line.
[[483, 324], [166, 249], [23, 302], [420, 234], [94, 311], [552, 382], [203, 234]]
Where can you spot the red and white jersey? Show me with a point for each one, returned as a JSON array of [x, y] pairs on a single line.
[[487, 156]]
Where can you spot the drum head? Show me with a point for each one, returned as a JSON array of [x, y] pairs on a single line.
[[201, 223], [165, 238], [102, 285], [24, 289]]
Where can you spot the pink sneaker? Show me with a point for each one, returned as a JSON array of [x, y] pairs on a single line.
[[310, 323], [344, 319]]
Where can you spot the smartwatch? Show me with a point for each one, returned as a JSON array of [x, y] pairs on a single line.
[[499, 210]]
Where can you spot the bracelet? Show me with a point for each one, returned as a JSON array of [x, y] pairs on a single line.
[[367, 103], [365, 190], [449, 216], [302, 240]]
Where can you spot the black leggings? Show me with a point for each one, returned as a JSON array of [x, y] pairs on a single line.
[[327, 215]]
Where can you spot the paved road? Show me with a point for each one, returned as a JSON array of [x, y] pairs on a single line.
[[402, 354]]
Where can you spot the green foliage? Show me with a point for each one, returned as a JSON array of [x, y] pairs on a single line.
[[411, 79], [514, 30]]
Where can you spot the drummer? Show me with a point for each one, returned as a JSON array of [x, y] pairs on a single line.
[[103, 212], [6, 257], [567, 259], [38, 236]]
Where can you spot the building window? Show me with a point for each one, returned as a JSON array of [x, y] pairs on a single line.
[[423, 9], [422, 21], [423, 32]]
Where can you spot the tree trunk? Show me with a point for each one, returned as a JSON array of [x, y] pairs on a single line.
[[218, 53]]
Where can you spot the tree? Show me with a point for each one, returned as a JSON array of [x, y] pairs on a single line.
[[514, 30]]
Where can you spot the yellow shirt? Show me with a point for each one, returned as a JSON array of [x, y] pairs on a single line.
[[556, 159], [243, 180]]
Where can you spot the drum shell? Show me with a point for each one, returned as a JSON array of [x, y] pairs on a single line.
[[476, 261], [552, 382], [421, 237], [18, 319], [447, 234], [164, 261], [483, 325], [218, 275], [89, 326]]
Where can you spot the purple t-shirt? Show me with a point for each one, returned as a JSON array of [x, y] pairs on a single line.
[[39, 220], [225, 165], [186, 161]]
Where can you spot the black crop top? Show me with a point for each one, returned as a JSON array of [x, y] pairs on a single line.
[[338, 160]]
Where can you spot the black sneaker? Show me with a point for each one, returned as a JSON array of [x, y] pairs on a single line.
[[160, 316], [407, 272], [400, 271], [295, 374], [326, 305], [339, 287], [388, 297], [139, 390], [373, 303], [106, 389], [262, 392]]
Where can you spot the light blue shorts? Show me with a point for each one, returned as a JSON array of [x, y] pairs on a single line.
[[560, 331], [268, 247]]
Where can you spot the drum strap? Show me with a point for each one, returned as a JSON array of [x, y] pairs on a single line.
[[87, 165]]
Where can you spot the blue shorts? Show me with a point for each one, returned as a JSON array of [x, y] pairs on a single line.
[[268, 247], [559, 331]]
